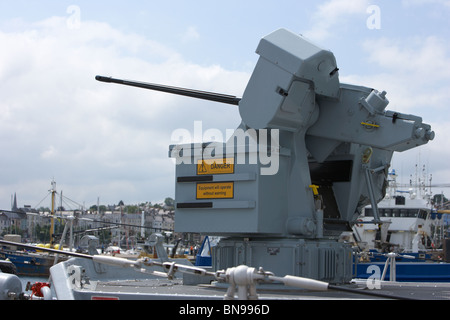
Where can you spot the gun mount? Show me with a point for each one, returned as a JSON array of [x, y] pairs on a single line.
[[309, 154]]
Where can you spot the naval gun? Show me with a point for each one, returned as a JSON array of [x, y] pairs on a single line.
[[310, 153]]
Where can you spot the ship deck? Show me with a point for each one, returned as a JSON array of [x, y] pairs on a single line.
[[161, 289], [126, 284]]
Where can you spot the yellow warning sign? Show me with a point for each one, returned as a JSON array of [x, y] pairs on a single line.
[[212, 190], [215, 166]]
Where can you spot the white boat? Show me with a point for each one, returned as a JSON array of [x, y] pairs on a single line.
[[407, 239], [409, 222]]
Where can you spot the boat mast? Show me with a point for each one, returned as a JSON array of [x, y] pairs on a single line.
[[52, 227]]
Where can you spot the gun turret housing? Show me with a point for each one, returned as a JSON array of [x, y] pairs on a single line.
[[310, 153]]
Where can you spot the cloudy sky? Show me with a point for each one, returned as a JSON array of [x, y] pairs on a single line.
[[111, 142]]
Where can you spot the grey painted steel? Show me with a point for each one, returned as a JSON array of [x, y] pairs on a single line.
[[302, 131]]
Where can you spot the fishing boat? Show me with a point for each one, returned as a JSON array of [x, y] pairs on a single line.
[[410, 230], [33, 262], [409, 223], [28, 262]]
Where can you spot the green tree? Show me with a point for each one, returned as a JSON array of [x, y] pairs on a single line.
[[132, 209], [169, 202], [12, 230]]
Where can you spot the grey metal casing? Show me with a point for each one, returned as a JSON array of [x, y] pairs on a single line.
[[255, 208], [328, 261], [289, 72], [325, 128], [309, 154]]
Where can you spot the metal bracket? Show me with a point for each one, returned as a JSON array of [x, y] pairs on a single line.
[[369, 182]]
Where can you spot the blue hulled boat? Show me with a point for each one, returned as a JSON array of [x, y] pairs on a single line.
[[29, 263], [406, 271]]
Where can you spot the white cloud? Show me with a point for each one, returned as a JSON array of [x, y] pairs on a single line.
[[414, 71], [49, 153], [408, 3], [96, 139], [333, 14], [427, 57], [190, 35]]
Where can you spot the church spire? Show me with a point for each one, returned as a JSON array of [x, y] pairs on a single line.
[[14, 204]]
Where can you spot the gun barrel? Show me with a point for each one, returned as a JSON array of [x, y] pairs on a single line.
[[211, 96]]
